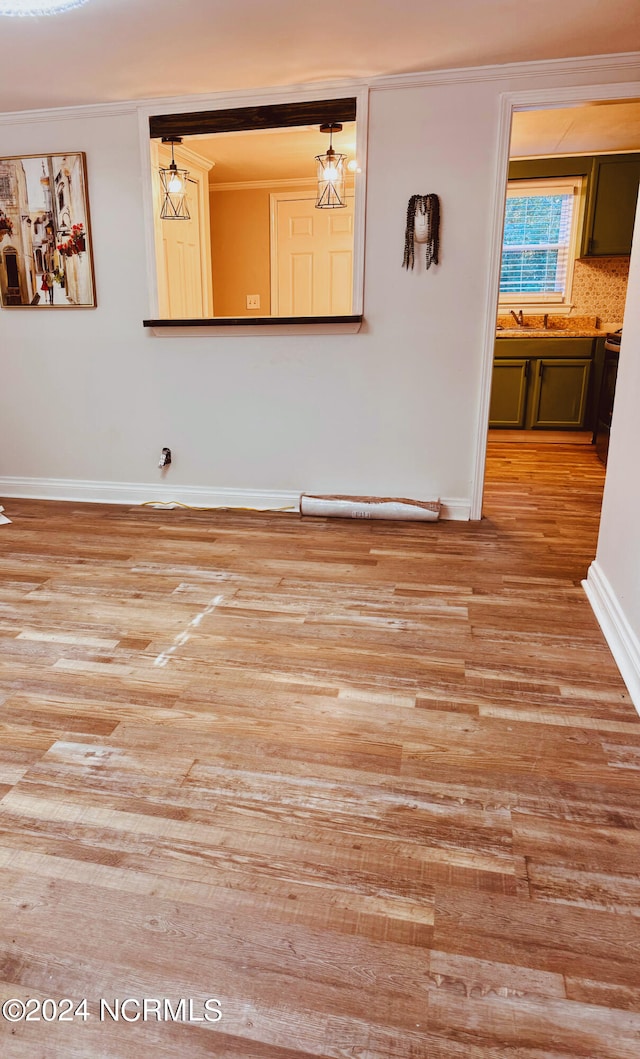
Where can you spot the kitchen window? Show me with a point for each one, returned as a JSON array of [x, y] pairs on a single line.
[[541, 237]]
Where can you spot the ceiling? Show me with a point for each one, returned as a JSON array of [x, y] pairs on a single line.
[[285, 154], [592, 127], [111, 50], [270, 154]]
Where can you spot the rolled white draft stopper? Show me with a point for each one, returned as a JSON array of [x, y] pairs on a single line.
[[370, 507]]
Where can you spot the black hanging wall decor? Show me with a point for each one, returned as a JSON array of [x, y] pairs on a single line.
[[423, 227]]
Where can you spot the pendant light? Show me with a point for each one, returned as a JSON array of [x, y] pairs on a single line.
[[331, 173], [174, 187]]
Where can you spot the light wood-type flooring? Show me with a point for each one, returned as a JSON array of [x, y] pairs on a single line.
[[374, 787]]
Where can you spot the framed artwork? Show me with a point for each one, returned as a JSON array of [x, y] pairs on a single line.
[[45, 238]]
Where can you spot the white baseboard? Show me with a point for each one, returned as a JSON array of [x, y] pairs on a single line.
[[144, 493], [454, 508], [622, 640]]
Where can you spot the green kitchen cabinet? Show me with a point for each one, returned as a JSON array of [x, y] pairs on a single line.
[[509, 393], [612, 191], [548, 386], [559, 393], [611, 205]]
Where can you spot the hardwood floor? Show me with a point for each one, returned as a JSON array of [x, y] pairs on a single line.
[[375, 787]]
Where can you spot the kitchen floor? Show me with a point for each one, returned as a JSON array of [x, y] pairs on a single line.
[[542, 437], [373, 788]]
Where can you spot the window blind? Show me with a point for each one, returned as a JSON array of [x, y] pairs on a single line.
[[537, 240]]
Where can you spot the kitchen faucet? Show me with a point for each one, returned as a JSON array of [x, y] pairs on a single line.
[[518, 317]]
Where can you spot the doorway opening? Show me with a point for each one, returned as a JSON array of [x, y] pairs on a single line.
[[11, 289], [556, 291]]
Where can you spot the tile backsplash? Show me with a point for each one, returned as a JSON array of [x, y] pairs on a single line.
[[600, 287]]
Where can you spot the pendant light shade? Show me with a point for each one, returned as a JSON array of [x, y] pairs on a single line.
[[331, 174], [173, 182]]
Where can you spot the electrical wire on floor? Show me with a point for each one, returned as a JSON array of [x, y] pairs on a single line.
[[167, 505]]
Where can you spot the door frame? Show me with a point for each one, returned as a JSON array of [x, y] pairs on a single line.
[[539, 99]]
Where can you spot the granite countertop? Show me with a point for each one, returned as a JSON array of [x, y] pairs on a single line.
[[557, 327]]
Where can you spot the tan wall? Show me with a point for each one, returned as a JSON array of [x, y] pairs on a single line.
[[240, 250]]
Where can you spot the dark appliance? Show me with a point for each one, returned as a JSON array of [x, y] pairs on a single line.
[[604, 411]]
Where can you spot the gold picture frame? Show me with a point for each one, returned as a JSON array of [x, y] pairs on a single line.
[[46, 257]]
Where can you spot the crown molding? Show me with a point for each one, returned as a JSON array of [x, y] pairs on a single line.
[[186, 103], [82, 110], [622, 63], [251, 185], [569, 154], [248, 97], [189, 156], [618, 63]]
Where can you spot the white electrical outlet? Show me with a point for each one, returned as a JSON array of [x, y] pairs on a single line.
[[253, 301]]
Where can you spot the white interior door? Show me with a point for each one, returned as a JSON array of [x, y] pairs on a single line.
[[183, 251], [311, 257]]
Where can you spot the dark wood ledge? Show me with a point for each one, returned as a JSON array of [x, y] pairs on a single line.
[[256, 325], [252, 321]]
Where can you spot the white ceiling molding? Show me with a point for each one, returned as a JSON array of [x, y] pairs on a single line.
[[255, 97], [192, 103], [561, 97], [570, 154], [186, 154], [251, 185], [88, 110], [624, 64]]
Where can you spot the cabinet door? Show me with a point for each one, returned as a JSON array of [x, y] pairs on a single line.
[[508, 393], [612, 205], [560, 389]]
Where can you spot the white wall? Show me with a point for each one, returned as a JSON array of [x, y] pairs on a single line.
[[90, 395], [614, 578], [619, 542]]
